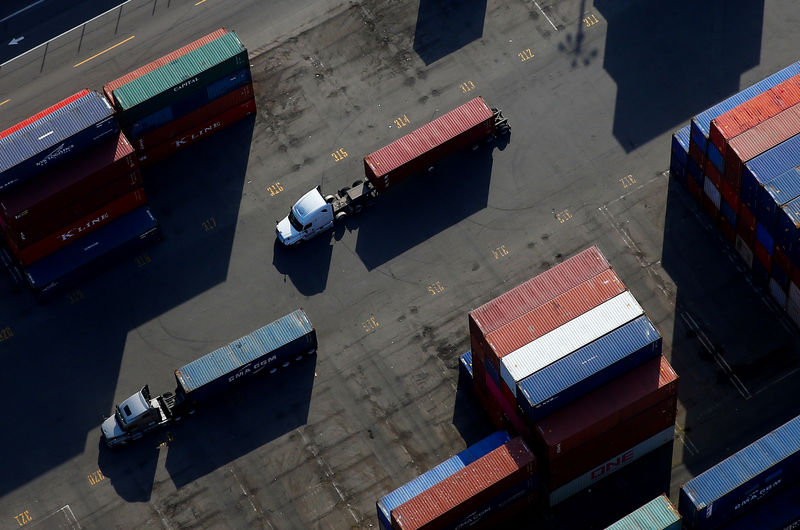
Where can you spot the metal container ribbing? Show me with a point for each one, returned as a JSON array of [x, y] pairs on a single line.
[[658, 514], [45, 112]]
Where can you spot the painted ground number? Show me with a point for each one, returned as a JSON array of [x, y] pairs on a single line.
[[499, 252], [467, 86], [339, 155], [627, 181], [563, 216], [6, 334], [96, 477], [274, 189], [142, 260], [371, 324], [525, 54], [209, 224], [590, 20], [402, 121], [24, 518], [75, 296], [436, 288]]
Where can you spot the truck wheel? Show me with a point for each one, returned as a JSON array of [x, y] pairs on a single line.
[[330, 198], [341, 216], [273, 370]]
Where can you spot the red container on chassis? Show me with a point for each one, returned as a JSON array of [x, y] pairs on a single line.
[[728, 232], [760, 139], [194, 118], [536, 291], [753, 112], [694, 190], [158, 63], [730, 195], [455, 497], [605, 408], [547, 317], [26, 204], [45, 112], [80, 228], [198, 132], [560, 471], [418, 150]]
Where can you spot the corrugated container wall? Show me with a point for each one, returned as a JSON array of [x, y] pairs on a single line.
[[658, 514], [781, 511], [766, 166], [45, 112]]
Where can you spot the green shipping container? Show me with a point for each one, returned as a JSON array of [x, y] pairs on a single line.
[[656, 514], [179, 78]]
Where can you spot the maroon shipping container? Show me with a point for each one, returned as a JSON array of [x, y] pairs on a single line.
[[457, 495], [45, 112], [606, 407], [26, 204], [418, 150], [759, 139], [80, 228], [158, 63], [536, 291], [612, 442], [547, 317], [194, 118], [508, 408], [754, 111], [199, 132]]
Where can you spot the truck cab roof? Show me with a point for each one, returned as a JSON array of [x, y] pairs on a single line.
[[134, 406], [308, 204]]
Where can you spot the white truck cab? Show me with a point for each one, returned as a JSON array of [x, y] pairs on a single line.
[[309, 216]]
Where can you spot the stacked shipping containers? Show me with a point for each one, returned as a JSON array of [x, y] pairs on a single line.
[[184, 96], [743, 167], [569, 360], [658, 514], [68, 172]]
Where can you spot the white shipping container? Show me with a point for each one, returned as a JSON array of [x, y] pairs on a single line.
[[565, 339], [612, 465], [794, 293], [778, 294], [745, 252], [711, 191]]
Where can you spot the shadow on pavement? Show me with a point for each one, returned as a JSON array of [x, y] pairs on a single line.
[[445, 27]]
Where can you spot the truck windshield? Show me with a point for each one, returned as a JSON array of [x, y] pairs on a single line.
[[120, 418], [297, 225]]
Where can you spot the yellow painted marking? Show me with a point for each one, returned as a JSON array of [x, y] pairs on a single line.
[[209, 224], [500, 251], [563, 216], [590, 20], [96, 477], [274, 189], [436, 288], [24, 518], [104, 51], [4, 102], [627, 180], [467, 86], [75, 296], [370, 325], [200, 2], [339, 155], [402, 121], [6, 334], [525, 54], [142, 260]]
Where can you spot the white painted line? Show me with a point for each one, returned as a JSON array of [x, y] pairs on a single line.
[[687, 443], [12, 15], [545, 15], [776, 381]]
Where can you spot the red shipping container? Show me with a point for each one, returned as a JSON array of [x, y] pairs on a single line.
[[605, 408], [710, 209], [730, 195], [229, 117], [194, 118], [781, 260], [612, 442], [509, 409], [494, 408], [456, 496], [158, 63], [746, 224], [761, 254], [80, 228], [760, 139], [418, 150], [753, 112], [694, 190], [548, 316], [714, 175], [728, 232], [45, 112], [795, 274], [27, 204], [697, 154], [536, 291]]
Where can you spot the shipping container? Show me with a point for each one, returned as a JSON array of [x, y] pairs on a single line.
[[779, 512], [263, 350], [727, 212], [777, 293], [744, 479], [606, 407], [49, 110], [205, 129], [465, 365], [548, 316], [711, 192], [543, 287], [767, 166], [180, 78], [680, 154], [192, 102], [433, 476], [774, 194], [693, 170], [562, 341], [57, 136], [588, 368], [765, 239], [508, 408], [695, 189], [452, 500], [158, 63], [91, 254], [658, 514], [418, 150], [787, 230], [611, 466], [730, 195], [727, 230], [34, 251], [759, 271]]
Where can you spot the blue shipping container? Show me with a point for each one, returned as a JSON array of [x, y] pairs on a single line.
[[701, 124], [777, 192], [715, 157], [695, 172], [680, 154], [767, 166], [743, 480], [55, 137], [263, 350], [780, 511], [119, 238], [585, 369], [465, 363], [763, 236], [727, 212], [435, 475], [191, 102], [787, 233], [658, 514]]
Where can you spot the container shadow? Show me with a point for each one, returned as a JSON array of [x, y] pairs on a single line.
[[661, 66], [445, 27], [468, 416]]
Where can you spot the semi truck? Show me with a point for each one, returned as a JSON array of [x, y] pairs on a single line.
[[275, 345], [414, 153]]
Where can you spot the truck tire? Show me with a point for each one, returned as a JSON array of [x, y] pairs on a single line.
[[330, 198], [341, 216]]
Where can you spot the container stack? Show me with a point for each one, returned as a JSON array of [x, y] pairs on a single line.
[[569, 360], [743, 168], [757, 484], [658, 514], [184, 96], [69, 183]]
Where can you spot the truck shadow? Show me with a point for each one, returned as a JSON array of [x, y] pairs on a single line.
[[445, 27], [307, 264]]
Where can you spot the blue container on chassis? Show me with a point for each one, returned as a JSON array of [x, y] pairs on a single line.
[[263, 350], [437, 474], [743, 480], [658, 514], [89, 254], [701, 124], [585, 369], [191, 102], [767, 166], [780, 511], [680, 154], [55, 137]]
